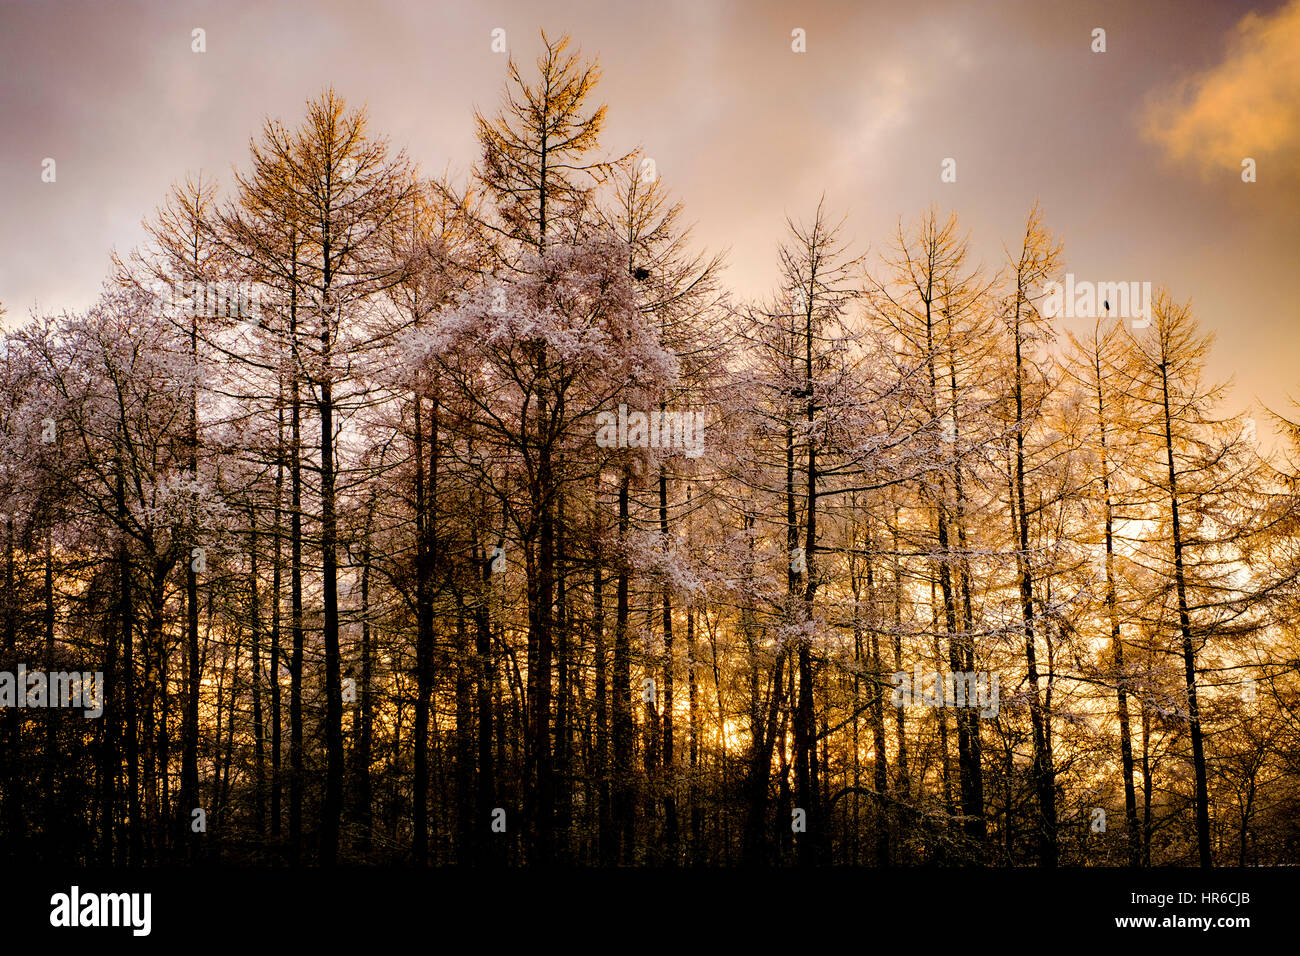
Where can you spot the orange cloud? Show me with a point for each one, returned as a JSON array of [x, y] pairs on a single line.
[[1247, 105]]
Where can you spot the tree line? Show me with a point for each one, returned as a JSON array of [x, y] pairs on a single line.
[[316, 484]]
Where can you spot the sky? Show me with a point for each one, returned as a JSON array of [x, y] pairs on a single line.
[[1135, 154]]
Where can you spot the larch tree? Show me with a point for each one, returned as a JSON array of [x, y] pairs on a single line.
[[1031, 267], [538, 170], [1205, 481], [331, 193]]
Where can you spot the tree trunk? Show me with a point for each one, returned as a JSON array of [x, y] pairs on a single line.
[[332, 809], [296, 776], [1116, 638], [1044, 773], [365, 738], [14, 824], [624, 809], [671, 837], [1185, 628], [423, 648], [485, 682], [276, 580], [606, 834]]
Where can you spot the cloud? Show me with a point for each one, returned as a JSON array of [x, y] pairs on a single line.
[[1247, 105]]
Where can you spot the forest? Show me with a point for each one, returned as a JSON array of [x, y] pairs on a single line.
[[397, 520]]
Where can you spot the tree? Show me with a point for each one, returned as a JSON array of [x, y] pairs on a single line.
[[338, 192], [1205, 480], [1031, 268], [1095, 364]]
